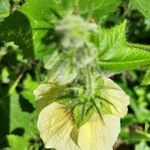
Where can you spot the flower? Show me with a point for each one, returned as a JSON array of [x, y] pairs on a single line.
[[55, 124], [118, 99], [47, 92], [58, 129]]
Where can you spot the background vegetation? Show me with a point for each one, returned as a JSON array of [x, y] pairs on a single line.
[[21, 69]]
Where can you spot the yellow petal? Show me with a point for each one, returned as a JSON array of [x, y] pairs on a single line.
[[116, 96], [46, 93], [97, 134], [55, 125], [47, 89]]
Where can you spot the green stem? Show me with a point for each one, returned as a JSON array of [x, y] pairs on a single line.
[[75, 6], [90, 13], [89, 87]]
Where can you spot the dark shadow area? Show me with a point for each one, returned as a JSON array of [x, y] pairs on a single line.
[[137, 28], [9, 60], [50, 37], [16, 28], [4, 114], [125, 147], [18, 131], [25, 105]]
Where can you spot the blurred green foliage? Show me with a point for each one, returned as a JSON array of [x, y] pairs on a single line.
[[20, 71]]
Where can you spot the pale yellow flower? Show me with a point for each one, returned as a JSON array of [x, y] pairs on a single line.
[[97, 134], [55, 124], [58, 129], [47, 92], [116, 96]]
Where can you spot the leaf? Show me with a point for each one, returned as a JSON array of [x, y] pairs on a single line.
[[16, 141], [135, 136], [143, 115], [97, 8], [28, 86], [140, 107], [4, 9], [128, 120], [17, 28], [142, 146], [19, 118], [5, 75], [42, 15], [116, 54], [142, 5], [146, 80], [66, 4], [14, 117]]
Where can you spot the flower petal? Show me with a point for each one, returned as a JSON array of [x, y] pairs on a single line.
[[55, 125], [97, 134], [117, 98], [47, 92]]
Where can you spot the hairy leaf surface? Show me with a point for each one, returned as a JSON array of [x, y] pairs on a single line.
[[116, 54]]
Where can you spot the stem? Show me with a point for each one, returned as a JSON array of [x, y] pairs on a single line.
[[89, 87], [75, 6], [90, 13]]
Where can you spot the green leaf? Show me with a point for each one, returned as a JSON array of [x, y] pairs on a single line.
[[82, 113], [143, 115], [97, 8], [14, 117], [4, 9], [42, 16], [5, 75], [29, 83], [16, 141], [66, 4], [116, 54], [135, 136], [17, 28], [28, 86], [19, 118], [142, 146], [146, 80], [128, 120], [142, 5]]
